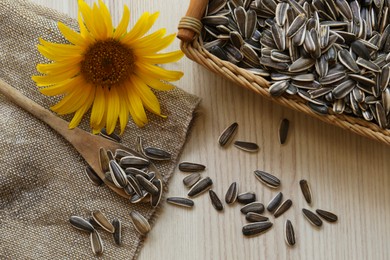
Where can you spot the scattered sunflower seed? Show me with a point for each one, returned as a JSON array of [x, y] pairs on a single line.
[[246, 197], [102, 220], [231, 194], [191, 179], [256, 228], [156, 198], [81, 224], [283, 208], [312, 218], [246, 146], [326, 215], [215, 201], [255, 207], [118, 231], [140, 223], [268, 179], [184, 202], [255, 217], [227, 134], [289, 233], [92, 176], [191, 167], [96, 243], [275, 202], [200, 187], [283, 130], [306, 191]]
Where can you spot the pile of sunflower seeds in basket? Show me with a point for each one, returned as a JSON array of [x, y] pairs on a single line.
[[334, 54], [254, 210]]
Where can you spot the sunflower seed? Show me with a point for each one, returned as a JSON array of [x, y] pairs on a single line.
[[278, 88], [81, 224], [92, 176], [110, 155], [231, 194], [306, 191], [246, 197], [117, 174], [301, 64], [283, 208], [255, 217], [184, 202], [147, 185], [103, 160], [140, 223], [326, 215], [256, 228], [215, 201], [275, 202], [119, 153], [200, 187], [96, 243], [191, 167], [294, 27], [246, 146], [289, 233], [227, 134], [347, 60], [118, 231], [281, 13], [134, 172], [268, 179], [136, 198], [128, 190], [132, 181], [255, 207], [156, 198], [113, 137], [102, 220], [283, 130], [133, 161], [157, 154], [191, 179], [312, 218], [360, 49]]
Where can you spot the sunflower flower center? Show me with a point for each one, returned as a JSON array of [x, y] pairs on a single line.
[[107, 63]]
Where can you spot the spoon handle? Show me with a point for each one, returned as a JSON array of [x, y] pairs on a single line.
[[195, 10]]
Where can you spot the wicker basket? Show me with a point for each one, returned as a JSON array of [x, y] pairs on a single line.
[[191, 45]]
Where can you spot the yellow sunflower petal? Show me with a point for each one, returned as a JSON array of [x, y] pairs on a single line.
[[73, 101], [98, 108], [123, 24], [136, 108], [148, 98], [57, 57], [100, 27], [142, 26], [96, 129], [106, 18], [83, 30], [153, 47], [64, 87], [163, 57], [147, 40], [60, 48], [157, 72], [57, 67], [112, 110], [123, 112], [55, 78], [154, 82], [71, 35], [87, 14], [80, 112]]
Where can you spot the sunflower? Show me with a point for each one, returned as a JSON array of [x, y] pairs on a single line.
[[109, 71]]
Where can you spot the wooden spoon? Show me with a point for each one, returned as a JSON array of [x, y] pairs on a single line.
[[86, 144], [196, 10]]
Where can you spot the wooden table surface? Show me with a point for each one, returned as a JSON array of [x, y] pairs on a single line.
[[348, 174]]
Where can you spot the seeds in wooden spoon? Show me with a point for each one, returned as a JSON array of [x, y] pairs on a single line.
[[179, 201], [140, 223], [231, 194], [289, 233], [312, 218], [134, 161], [306, 191], [200, 187], [96, 243], [283, 208], [191, 167], [118, 176], [147, 185], [102, 220], [156, 198], [120, 153], [268, 179], [227, 134], [246, 197], [326, 215], [81, 224], [256, 207], [191, 179], [118, 231], [215, 201], [113, 137], [256, 228], [283, 130], [255, 217], [134, 184], [246, 146], [104, 160], [275, 202], [92, 176]]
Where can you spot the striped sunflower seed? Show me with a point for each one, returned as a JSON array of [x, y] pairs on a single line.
[[246, 146], [132, 181], [306, 191], [283, 208], [227, 134], [215, 201], [96, 243], [147, 185], [289, 233], [256, 228], [81, 224], [283, 130], [312, 218], [118, 175], [191, 167], [134, 161], [118, 231], [231, 194], [246, 197], [191, 179], [255, 207], [156, 198], [200, 187], [275, 202], [120, 153], [184, 202], [140, 223], [268, 179], [103, 160], [102, 220], [113, 137], [326, 215], [136, 198], [255, 217], [92, 176], [157, 154]]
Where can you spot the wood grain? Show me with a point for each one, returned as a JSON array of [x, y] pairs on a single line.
[[348, 174]]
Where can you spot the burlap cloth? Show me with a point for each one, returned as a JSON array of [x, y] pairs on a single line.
[[42, 182]]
